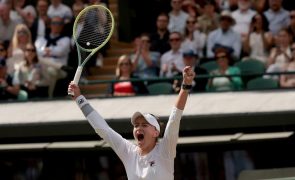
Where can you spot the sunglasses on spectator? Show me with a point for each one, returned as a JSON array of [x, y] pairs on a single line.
[[2, 49], [30, 50], [221, 57], [22, 32], [124, 64], [56, 23], [174, 39]]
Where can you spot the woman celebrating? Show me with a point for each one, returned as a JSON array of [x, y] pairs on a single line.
[[124, 73], [148, 159]]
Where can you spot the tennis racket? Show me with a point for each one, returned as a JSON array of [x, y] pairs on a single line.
[[92, 29]]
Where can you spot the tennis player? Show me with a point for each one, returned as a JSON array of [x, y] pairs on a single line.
[[148, 158]]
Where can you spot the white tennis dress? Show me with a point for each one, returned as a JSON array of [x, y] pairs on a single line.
[[157, 164]]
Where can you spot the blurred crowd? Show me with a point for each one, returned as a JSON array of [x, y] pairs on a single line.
[[38, 55]]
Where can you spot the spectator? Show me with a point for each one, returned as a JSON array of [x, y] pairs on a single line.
[[191, 8], [171, 61], [288, 80], [193, 38], [124, 72], [145, 62], [8, 88], [57, 8], [53, 50], [190, 58], [225, 36], [277, 16], [31, 75], [224, 83], [281, 54], [209, 20], [243, 17], [177, 17], [227, 5], [21, 37], [43, 19], [31, 20], [92, 2], [259, 39], [17, 13], [7, 25], [160, 38], [292, 24]]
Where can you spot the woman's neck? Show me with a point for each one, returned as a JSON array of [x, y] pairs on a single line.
[[145, 150]]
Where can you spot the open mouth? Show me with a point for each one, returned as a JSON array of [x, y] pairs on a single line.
[[140, 137]]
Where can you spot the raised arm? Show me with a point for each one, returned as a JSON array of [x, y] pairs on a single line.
[[188, 77]]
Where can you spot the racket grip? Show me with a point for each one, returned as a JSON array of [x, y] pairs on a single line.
[[76, 78]]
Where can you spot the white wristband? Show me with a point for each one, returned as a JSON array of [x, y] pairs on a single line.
[[81, 101]]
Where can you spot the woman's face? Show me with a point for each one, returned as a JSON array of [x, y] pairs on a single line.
[[145, 42], [258, 21], [283, 39], [125, 65], [222, 60], [23, 36], [144, 133], [190, 24], [30, 53]]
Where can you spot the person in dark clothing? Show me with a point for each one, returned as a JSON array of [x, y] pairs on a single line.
[[199, 84], [160, 38]]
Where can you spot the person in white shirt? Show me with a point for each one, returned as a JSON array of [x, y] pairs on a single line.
[[171, 61], [148, 158], [243, 17], [57, 8], [177, 17]]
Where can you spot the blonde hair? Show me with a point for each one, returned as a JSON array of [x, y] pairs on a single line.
[[120, 60], [19, 27]]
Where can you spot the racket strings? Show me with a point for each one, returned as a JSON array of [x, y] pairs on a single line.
[[93, 28]]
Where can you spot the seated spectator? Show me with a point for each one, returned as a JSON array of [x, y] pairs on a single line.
[[171, 61], [243, 16], [259, 40], [209, 20], [17, 13], [227, 5], [224, 83], [145, 62], [190, 58], [191, 8], [160, 38], [177, 17], [193, 38], [9, 89], [7, 25], [225, 36], [92, 2], [292, 24], [16, 50], [124, 72], [288, 80], [281, 54], [57, 8], [277, 16], [30, 19], [43, 24], [31, 75], [53, 50]]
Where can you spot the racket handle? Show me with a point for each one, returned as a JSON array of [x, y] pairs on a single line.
[[76, 78]]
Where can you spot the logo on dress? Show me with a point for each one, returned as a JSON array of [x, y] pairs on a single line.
[[80, 101], [152, 163]]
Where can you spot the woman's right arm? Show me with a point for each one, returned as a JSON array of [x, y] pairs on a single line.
[[115, 140]]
